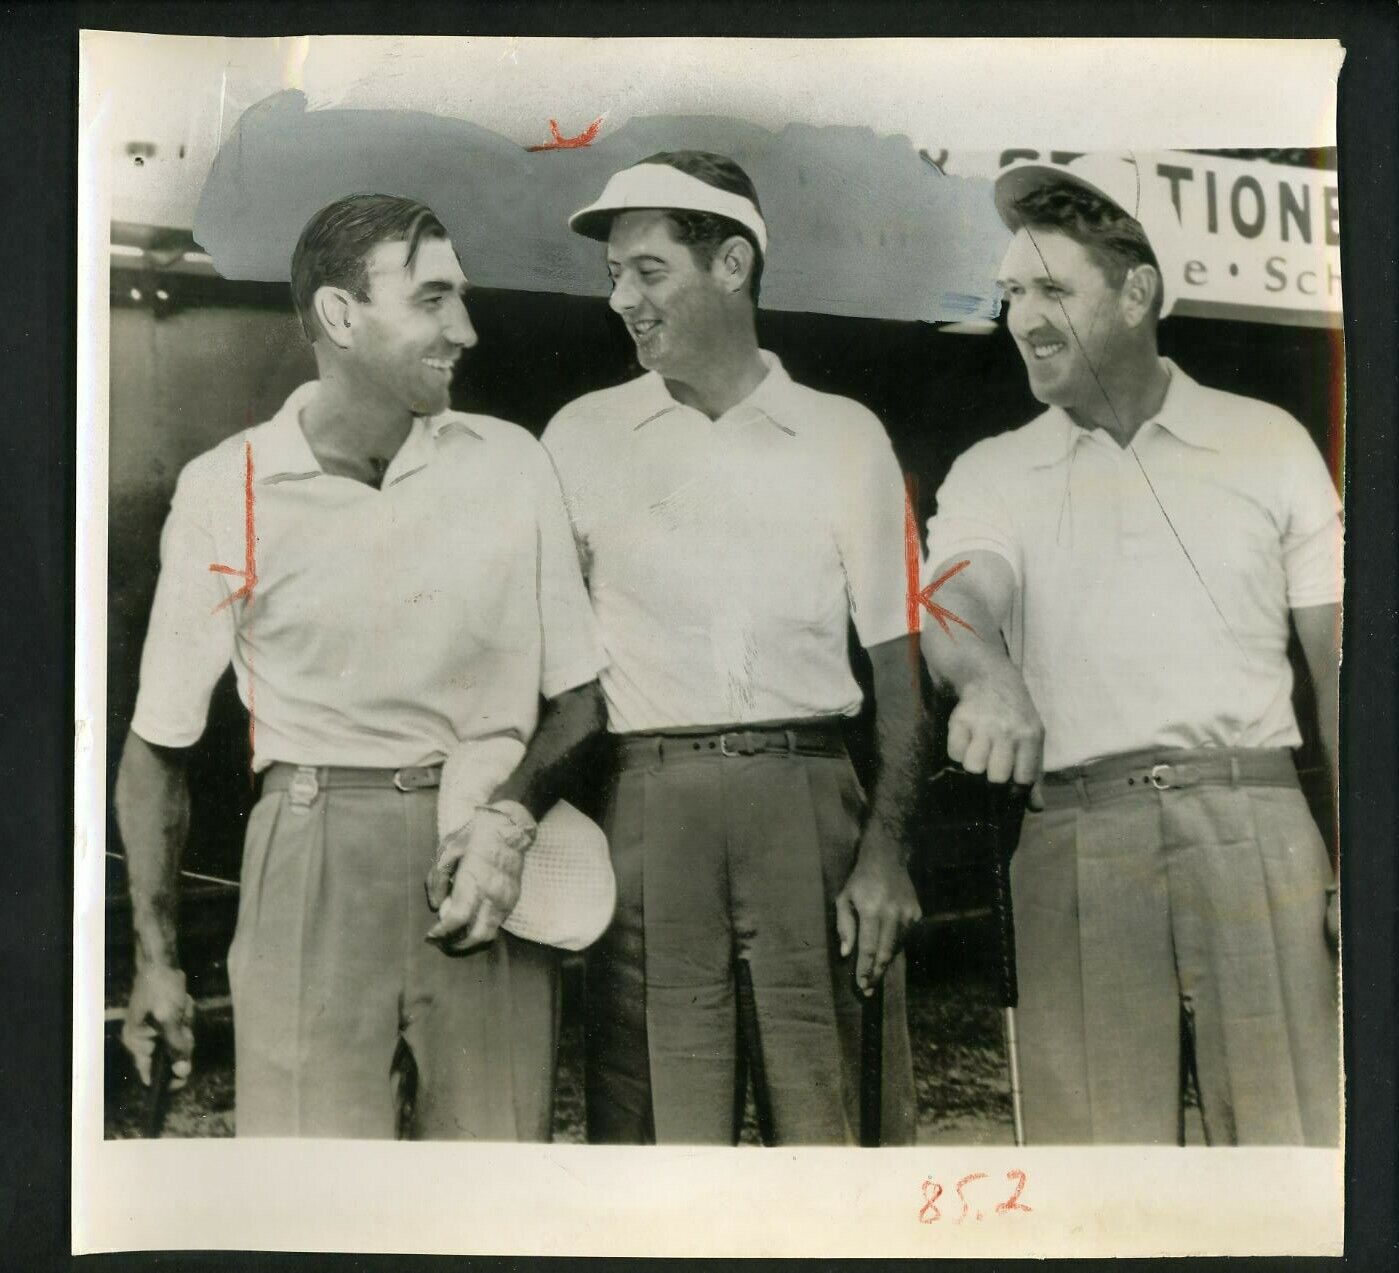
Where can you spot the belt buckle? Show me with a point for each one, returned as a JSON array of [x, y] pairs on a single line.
[[409, 779], [724, 745], [1159, 777]]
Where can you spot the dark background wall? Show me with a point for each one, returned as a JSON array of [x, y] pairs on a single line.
[[215, 357]]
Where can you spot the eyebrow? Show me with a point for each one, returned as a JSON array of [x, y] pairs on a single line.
[[435, 286], [639, 256], [1038, 278]]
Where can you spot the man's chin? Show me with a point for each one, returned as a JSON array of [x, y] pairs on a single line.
[[1055, 391]]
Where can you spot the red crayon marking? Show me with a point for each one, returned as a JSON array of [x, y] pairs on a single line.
[[924, 597], [560, 142], [939, 612], [248, 574], [962, 1184], [911, 553], [1013, 1203], [931, 1213]]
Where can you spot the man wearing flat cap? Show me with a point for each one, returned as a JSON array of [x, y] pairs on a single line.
[[731, 524], [1144, 547]]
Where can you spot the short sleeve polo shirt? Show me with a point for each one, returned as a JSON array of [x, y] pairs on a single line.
[[1154, 582], [726, 558], [378, 627]]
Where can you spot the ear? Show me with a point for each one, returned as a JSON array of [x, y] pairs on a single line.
[[733, 263], [334, 307], [1139, 289]]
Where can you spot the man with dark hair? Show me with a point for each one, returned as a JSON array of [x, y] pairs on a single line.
[[389, 579], [1143, 548], [732, 523]]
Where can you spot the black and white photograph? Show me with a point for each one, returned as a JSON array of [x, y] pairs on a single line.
[[708, 613]]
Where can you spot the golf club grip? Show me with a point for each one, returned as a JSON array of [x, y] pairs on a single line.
[[153, 1112], [872, 1067], [1000, 826]]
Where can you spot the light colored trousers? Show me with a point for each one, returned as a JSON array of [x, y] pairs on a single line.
[[1155, 913], [724, 861], [330, 976]]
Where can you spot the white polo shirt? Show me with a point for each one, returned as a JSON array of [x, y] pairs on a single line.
[[726, 557], [383, 625], [1123, 642]]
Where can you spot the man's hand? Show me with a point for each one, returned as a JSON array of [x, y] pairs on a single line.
[[160, 1006], [1333, 917], [476, 881], [875, 909], [995, 729]]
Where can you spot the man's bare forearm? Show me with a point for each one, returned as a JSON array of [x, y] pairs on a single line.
[[152, 807], [572, 723], [900, 740]]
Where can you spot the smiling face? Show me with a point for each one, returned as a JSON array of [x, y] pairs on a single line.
[[408, 335], [1065, 315], [676, 311]]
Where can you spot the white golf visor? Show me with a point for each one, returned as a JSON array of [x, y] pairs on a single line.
[[661, 186], [1116, 177]]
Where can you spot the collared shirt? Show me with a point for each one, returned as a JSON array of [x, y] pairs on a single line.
[[1153, 582], [725, 558], [382, 626]]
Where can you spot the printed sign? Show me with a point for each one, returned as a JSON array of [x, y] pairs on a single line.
[[1259, 241]]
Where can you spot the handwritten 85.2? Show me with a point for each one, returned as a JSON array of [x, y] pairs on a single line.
[[975, 1197]]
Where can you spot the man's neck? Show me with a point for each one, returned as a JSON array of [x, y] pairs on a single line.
[[728, 375], [1127, 397], [352, 431]]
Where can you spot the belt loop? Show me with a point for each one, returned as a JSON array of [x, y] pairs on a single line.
[[1081, 786], [791, 736], [1235, 777], [305, 785]]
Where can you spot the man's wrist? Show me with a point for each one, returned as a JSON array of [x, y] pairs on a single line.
[[523, 827], [878, 845]]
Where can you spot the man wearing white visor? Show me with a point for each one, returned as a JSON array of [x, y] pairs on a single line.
[[731, 524], [1143, 547]]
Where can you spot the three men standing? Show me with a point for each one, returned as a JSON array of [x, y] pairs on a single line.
[[731, 524], [1144, 546], [409, 581]]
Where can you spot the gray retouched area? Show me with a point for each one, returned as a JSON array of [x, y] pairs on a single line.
[[860, 225]]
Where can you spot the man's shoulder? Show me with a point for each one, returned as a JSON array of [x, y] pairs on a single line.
[[836, 428], [1022, 447], [1243, 423], [451, 425], [224, 468], [613, 406], [477, 442]]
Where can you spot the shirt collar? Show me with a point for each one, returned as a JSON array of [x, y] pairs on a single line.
[[771, 400], [1054, 435], [281, 452]]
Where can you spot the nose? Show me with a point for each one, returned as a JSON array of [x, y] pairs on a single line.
[[1023, 315], [457, 325], [624, 296]]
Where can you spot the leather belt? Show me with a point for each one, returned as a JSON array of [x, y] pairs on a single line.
[[1166, 769], [305, 781], [793, 740]]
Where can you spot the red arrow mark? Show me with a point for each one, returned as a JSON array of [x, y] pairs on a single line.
[[249, 577], [560, 142], [923, 598], [249, 572]]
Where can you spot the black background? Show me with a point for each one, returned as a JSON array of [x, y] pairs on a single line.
[[37, 136]]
